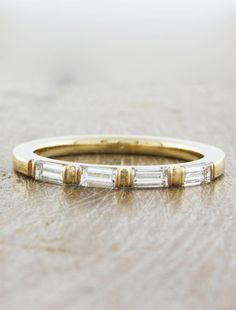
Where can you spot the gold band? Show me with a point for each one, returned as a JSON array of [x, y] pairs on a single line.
[[35, 159]]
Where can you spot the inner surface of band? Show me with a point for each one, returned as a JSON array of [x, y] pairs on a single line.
[[119, 147]]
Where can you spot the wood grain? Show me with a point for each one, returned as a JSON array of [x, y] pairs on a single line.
[[85, 248]]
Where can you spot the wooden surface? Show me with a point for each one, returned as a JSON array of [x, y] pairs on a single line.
[[85, 248]]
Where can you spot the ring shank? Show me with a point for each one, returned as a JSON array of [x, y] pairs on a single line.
[[25, 154], [132, 147]]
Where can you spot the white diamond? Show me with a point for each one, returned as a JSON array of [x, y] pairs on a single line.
[[49, 172], [196, 174], [151, 177], [98, 176]]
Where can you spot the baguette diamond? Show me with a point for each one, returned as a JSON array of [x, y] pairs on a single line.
[[98, 176], [40, 159], [197, 174], [49, 172], [151, 177]]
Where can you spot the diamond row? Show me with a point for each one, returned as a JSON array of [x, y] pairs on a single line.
[[142, 177]]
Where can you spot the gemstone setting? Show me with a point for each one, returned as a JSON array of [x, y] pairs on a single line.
[[196, 174], [151, 176], [111, 177], [49, 172], [98, 176]]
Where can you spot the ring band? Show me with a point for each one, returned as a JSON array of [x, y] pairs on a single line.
[[204, 163]]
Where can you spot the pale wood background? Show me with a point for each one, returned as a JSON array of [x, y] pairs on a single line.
[[81, 248]]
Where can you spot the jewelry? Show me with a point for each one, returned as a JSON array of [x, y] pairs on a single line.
[[204, 163]]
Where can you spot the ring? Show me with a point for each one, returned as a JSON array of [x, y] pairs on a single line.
[[203, 163]]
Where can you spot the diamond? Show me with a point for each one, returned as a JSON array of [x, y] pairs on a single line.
[[151, 177], [98, 176], [49, 172], [197, 174]]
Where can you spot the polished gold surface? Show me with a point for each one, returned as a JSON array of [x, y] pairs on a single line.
[[72, 175], [125, 177], [176, 176], [159, 146], [120, 146]]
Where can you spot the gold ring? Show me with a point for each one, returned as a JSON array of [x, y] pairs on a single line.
[[36, 159]]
